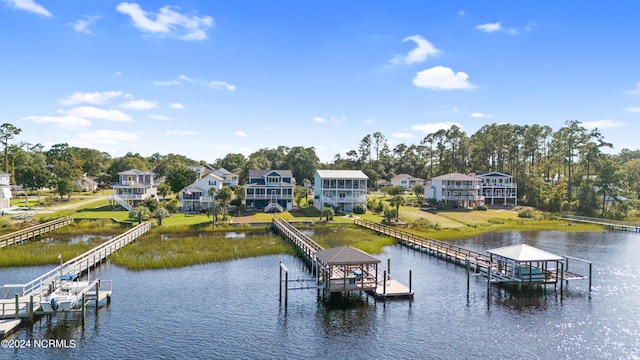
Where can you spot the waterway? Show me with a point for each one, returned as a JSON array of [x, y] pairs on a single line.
[[231, 310]]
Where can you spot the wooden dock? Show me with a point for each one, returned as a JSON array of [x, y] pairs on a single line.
[[30, 233], [23, 300], [378, 283], [609, 224]]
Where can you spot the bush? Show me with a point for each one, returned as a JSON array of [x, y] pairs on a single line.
[[359, 209], [482, 208], [525, 213], [236, 202]]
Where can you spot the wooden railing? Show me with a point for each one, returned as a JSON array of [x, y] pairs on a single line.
[[29, 233], [605, 222], [304, 243], [446, 250]]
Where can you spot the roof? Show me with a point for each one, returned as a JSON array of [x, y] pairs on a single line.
[[135, 172], [404, 176], [223, 171], [524, 253], [456, 177], [493, 174], [262, 173], [342, 174], [345, 255]]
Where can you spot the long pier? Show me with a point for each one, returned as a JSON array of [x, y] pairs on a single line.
[[23, 300], [610, 224], [19, 236]]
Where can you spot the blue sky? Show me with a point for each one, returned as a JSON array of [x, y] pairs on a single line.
[[205, 78]]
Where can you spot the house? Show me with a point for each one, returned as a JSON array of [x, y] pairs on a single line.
[[5, 190], [230, 179], [195, 197], [269, 190], [134, 187], [463, 190], [342, 189], [498, 188], [86, 184], [406, 181]]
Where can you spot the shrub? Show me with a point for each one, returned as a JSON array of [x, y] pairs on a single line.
[[482, 208], [526, 213], [359, 209]]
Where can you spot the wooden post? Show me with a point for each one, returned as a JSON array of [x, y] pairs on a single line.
[[17, 306], [561, 278], [468, 274], [84, 307], [97, 293], [286, 288], [31, 312], [389, 267], [409, 281], [384, 282], [280, 283], [590, 272], [488, 278]]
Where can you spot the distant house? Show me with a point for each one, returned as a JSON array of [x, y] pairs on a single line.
[[269, 190], [134, 187], [498, 188], [228, 178], [406, 181], [5, 190], [382, 183], [195, 197], [463, 190], [85, 184], [343, 189]]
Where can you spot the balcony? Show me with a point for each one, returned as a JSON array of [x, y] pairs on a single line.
[[134, 196], [265, 196], [128, 183], [347, 199], [461, 187], [489, 185], [463, 198]]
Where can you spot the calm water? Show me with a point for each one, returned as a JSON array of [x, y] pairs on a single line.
[[231, 310]]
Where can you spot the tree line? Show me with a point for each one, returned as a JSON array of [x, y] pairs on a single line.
[[563, 170]]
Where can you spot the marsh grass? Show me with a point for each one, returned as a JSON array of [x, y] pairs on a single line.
[[152, 252], [329, 236], [40, 253]]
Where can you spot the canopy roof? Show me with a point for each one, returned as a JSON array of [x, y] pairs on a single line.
[[524, 253], [345, 255]]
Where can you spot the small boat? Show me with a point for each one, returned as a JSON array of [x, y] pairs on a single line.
[[66, 296]]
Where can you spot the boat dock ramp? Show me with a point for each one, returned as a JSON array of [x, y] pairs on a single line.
[[22, 301]]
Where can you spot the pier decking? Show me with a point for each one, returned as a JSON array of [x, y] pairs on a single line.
[[342, 269], [19, 236], [23, 300], [610, 224]]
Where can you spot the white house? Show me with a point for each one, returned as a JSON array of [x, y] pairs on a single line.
[[270, 190], [406, 181], [195, 197], [498, 188], [228, 178], [5, 190], [343, 189], [462, 189], [134, 187]]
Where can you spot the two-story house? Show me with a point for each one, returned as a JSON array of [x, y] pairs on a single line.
[[498, 188], [463, 190], [343, 189], [406, 181], [228, 178], [134, 187], [269, 190], [5, 191], [195, 197]]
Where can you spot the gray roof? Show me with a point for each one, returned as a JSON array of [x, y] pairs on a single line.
[[342, 174], [524, 253], [135, 172], [402, 176], [261, 173], [345, 255], [456, 177]]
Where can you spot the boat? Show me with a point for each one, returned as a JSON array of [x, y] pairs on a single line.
[[65, 296]]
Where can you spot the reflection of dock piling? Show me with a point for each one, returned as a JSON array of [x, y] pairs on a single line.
[[341, 269]]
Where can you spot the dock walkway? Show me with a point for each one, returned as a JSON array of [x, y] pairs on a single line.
[[23, 235], [611, 224]]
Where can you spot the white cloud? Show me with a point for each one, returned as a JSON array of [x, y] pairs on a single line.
[[107, 137], [319, 119], [489, 27], [117, 74], [168, 21], [218, 85], [633, 109], [636, 91], [82, 25], [90, 112], [139, 105], [176, 106], [479, 115], [430, 128], [440, 77], [420, 53], [29, 5], [96, 97], [602, 124], [181, 133], [185, 78], [403, 135], [369, 121], [67, 121], [166, 83], [240, 133], [160, 117]]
